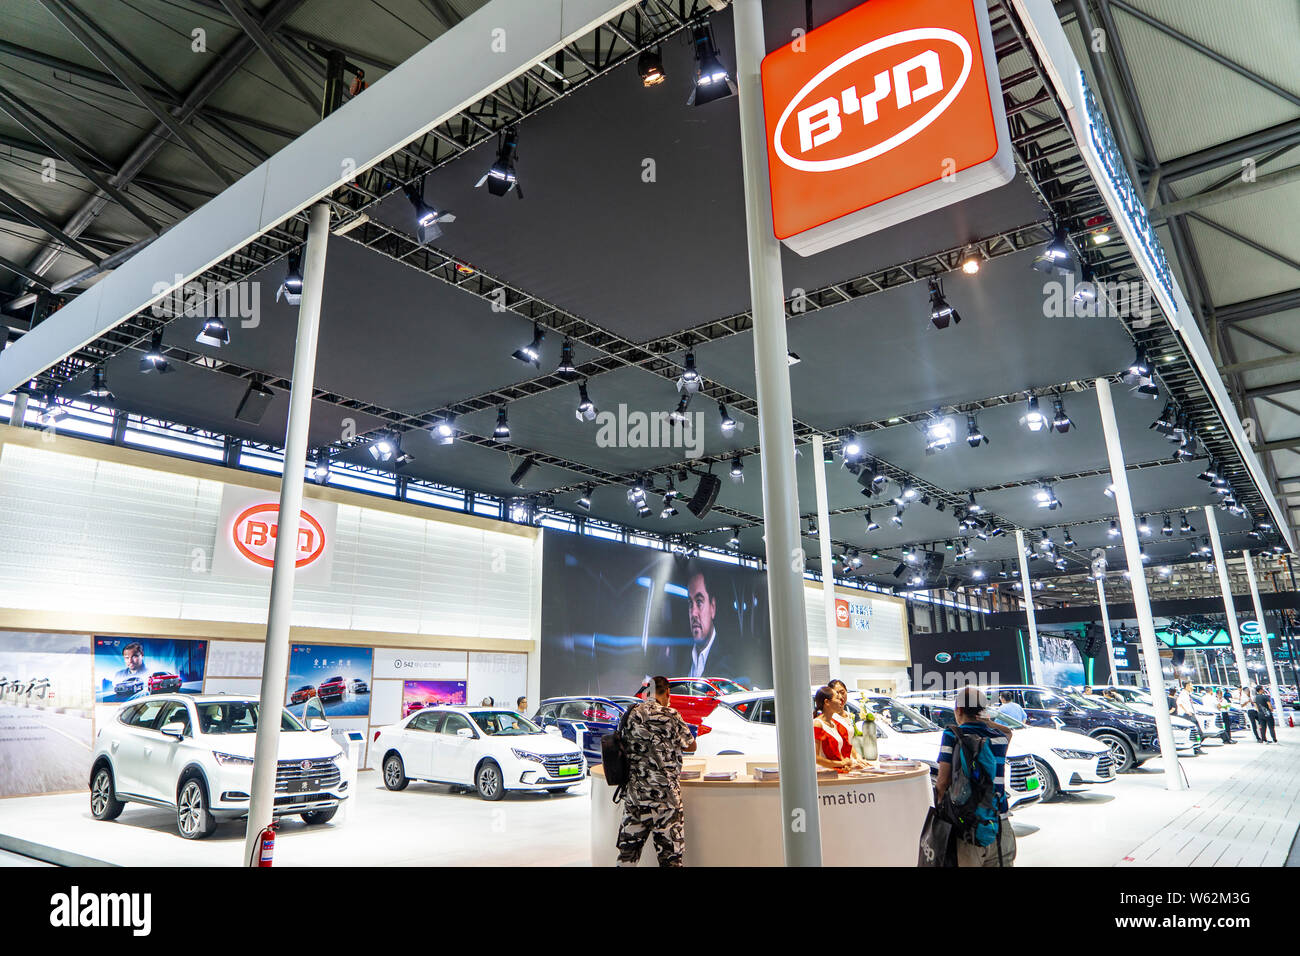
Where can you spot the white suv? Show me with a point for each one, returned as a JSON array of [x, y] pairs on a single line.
[[194, 755]]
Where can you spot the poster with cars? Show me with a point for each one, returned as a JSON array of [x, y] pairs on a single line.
[[419, 694], [614, 614], [45, 706], [129, 667], [338, 675]]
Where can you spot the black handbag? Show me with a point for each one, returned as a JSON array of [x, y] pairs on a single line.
[[938, 840]]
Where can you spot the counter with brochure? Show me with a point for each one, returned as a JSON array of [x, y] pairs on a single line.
[[733, 814]]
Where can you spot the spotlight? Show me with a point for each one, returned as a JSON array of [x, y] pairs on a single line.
[[970, 261], [898, 516], [1113, 530], [690, 380], [153, 360], [382, 448], [973, 434], [584, 500], [812, 527], [1142, 552], [213, 333], [939, 434], [54, 412], [1046, 497], [1110, 490], [586, 410], [1086, 290], [668, 510], [1033, 418], [727, 423], [1060, 421], [1167, 423], [291, 287], [1140, 367], [566, 369], [650, 65], [972, 505], [444, 429], [1186, 527], [679, 414], [427, 219], [1168, 529], [828, 455], [99, 389], [1144, 526], [941, 313], [531, 354], [977, 574], [1045, 541], [502, 431], [1210, 474], [871, 522], [852, 447], [1056, 258], [1068, 540], [792, 358], [321, 468], [712, 81], [737, 469], [517, 477], [502, 178]]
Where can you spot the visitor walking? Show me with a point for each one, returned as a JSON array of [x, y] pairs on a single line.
[[1225, 712], [655, 737], [975, 730], [1264, 707], [1246, 700]]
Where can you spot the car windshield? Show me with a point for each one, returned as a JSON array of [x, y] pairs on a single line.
[[899, 716], [1006, 720], [725, 686], [625, 701], [237, 717], [1090, 702], [504, 723]]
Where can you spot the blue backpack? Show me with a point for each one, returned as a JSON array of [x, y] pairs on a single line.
[[973, 794]]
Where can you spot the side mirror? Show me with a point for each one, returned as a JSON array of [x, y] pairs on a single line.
[[174, 729], [464, 732], [316, 724]]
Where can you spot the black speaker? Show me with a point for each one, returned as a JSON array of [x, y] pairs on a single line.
[[254, 404], [706, 493]]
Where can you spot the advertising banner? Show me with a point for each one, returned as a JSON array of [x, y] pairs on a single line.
[[418, 694], [951, 659], [614, 614], [407, 664], [127, 667], [338, 676], [247, 526], [45, 702]]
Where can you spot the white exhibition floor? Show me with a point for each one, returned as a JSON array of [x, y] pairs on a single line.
[[1243, 808]]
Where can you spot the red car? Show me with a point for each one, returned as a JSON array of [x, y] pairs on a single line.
[[161, 682], [332, 689], [411, 706], [302, 694], [693, 698]]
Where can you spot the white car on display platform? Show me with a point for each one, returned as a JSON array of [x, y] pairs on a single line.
[[746, 724], [194, 755], [1067, 761], [490, 750]]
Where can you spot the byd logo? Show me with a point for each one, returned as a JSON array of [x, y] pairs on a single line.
[[860, 106], [841, 613], [254, 533]]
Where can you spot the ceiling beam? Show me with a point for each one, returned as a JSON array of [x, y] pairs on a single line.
[[1277, 389], [1238, 190], [1254, 365], [43, 223], [264, 43], [1256, 308]]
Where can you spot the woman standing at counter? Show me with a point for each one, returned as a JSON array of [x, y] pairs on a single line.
[[833, 736]]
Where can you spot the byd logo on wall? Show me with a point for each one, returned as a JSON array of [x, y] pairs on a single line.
[[888, 112], [255, 530]]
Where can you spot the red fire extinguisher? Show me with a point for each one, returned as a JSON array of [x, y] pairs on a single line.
[[266, 843]]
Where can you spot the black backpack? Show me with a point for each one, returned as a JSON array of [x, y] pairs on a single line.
[[613, 756]]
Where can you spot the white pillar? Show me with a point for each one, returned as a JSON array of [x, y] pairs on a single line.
[[18, 414], [828, 567], [1138, 580], [1035, 655], [1263, 638], [275, 656], [801, 828], [1229, 608], [1105, 623]]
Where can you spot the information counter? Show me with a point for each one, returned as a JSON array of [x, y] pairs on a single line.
[[868, 819]]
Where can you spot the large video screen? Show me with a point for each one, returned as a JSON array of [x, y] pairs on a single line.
[[614, 614]]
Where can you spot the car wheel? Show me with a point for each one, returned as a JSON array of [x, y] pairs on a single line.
[[192, 817], [488, 779], [317, 817], [1051, 788], [1121, 751], [104, 804], [394, 773]]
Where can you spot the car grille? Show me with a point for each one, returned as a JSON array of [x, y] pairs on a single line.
[[323, 772], [1019, 769], [554, 763], [1105, 766]]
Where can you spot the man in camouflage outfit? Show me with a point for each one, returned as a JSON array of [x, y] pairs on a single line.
[[655, 737]]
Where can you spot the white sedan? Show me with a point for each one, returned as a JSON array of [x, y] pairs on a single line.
[[1066, 761], [487, 749]]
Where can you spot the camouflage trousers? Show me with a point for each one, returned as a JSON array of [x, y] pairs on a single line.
[[666, 823]]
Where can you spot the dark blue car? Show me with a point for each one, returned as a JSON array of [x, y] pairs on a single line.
[[598, 716]]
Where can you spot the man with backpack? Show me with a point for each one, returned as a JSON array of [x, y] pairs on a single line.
[[653, 737], [972, 762]]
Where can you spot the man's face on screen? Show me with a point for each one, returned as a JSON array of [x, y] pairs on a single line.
[[702, 610]]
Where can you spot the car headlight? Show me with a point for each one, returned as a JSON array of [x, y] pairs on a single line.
[[232, 759], [526, 755], [1068, 754]]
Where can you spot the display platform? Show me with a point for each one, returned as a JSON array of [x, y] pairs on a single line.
[[868, 819]]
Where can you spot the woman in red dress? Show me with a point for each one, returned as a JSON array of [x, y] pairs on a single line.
[[833, 741]]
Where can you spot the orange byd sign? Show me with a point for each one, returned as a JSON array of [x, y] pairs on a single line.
[[883, 114], [255, 530]]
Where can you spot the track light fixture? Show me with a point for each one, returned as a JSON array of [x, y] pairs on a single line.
[[1046, 497], [566, 369], [98, 390], [1186, 526], [974, 437], [734, 540], [1113, 530], [712, 81], [1060, 420], [726, 422], [1144, 525], [213, 333], [320, 470], [690, 378], [1033, 419], [972, 505], [502, 178], [584, 500], [680, 414], [586, 410], [428, 221], [502, 430], [941, 313], [291, 286], [939, 434], [1085, 291], [531, 354], [650, 66], [54, 411], [812, 526], [1056, 259], [1068, 540], [152, 360], [898, 516], [852, 447], [1167, 422], [792, 358], [970, 261], [444, 429], [871, 521], [1168, 529], [737, 469]]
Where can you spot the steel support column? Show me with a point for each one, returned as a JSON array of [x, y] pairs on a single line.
[[1027, 591], [828, 565], [1220, 565], [1105, 624], [1273, 683]]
